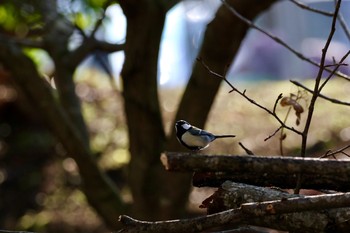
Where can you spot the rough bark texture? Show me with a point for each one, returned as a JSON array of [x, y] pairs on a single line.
[[174, 161], [245, 213], [215, 179], [222, 39], [282, 172], [233, 195], [146, 135], [99, 190]]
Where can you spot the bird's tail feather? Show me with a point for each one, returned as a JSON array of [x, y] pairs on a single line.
[[225, 136]]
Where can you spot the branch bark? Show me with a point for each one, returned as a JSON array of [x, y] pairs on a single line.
[[235, 217], [140, 91], [101, 193], [260, 170], [309, 181], [233, 195], [218, 52], [174, 161]]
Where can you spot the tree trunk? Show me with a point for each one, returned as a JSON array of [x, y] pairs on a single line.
[[144, 30], [100, 192], [221, 42]]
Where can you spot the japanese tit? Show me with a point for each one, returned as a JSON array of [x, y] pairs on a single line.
[[194, 138]]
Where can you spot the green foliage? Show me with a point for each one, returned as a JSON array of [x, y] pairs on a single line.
[[96, 3], [19, 17]]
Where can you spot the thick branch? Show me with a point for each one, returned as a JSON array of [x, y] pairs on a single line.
[[233, 195], [260, 165], [100, 191], [240, 215], [89, 45], [309, 181]]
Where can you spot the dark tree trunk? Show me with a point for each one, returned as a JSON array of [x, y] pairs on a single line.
[[221, 42], [144, 30]]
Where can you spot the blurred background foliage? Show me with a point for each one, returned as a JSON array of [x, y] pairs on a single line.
[[40, 183]]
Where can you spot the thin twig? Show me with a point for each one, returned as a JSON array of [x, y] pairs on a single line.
[[306, 7], [317, 82], [279, 41], [330, 153], [334, 70], [316, 92], [335, 101], [276, 102], [249, 152], [343, 23], [243, 94], [274, 133], [216, 74]]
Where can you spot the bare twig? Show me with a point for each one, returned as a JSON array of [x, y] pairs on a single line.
[[249, 152], [316, 91], [343, 23], [276, 102], [306, 7], [199, 59], [243, 94], [274, 133], [335, 101], [279, 41], [330, 153], [333, 71]]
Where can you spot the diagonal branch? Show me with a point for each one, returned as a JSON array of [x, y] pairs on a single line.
[[101, 193], [306, 7], [243, 94], [343, 23], [335, 101], [280, 41]]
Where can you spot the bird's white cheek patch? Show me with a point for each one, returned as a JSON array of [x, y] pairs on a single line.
[[186, 126]]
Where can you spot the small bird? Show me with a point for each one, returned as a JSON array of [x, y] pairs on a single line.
[[194, 138]]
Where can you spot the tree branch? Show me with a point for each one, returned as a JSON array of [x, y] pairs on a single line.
[[343, 23], [101, 193], [243, 94], [240, 215], [280, 41], [309, 181], [233, 195], [306, 7], [317, 89], [187, 162], [335, 101]]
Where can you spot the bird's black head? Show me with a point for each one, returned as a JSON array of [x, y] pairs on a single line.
[[181, 127]]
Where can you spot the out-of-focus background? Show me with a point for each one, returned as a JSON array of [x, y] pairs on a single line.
[[40, 182]]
